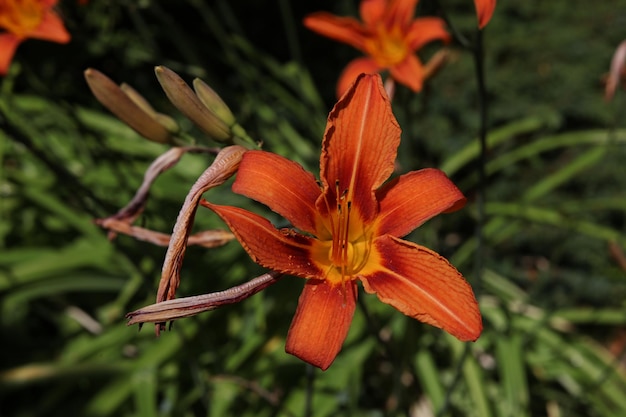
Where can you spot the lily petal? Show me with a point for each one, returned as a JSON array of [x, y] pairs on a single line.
[[425, 30], [411, 199], [359, 147], [8, 46], [51, 29], [409, 72], [322, 321], [423, 285], [400, 12], [282, 185], [280, 250], [342, 29], [354, 69], [484, 11], [372, 11]]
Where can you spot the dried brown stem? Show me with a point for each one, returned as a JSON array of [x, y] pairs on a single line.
[[164, 162], [207, 238], [617, 72], [162, 312], [618, 254], [223, 167]]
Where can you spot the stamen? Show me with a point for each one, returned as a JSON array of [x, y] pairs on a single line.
[[345, 247], [342, 253], [363, 257]]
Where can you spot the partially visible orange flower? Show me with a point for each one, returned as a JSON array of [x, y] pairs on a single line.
[[389, 35], [484, 11], [23, 19], [348, 228]]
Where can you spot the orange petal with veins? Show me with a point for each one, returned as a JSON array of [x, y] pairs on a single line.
[[411, 199], [422, 284], [279, 250], [322, 321], [282, 185], [359, 147]]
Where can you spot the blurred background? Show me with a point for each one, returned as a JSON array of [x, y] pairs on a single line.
[[552, 290]]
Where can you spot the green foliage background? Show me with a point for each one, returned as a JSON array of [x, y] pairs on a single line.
[[552, 292]]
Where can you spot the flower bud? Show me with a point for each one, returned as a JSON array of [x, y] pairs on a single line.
[[135, 112], [138, 99], [213, 102], [168, 122], [185, 100]]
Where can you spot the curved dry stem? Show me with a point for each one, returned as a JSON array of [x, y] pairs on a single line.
[[162, 312], [135, 207], [223, 167], [617, 71], [207, 238]]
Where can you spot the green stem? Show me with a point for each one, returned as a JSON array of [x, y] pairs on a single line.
[[482, 158]]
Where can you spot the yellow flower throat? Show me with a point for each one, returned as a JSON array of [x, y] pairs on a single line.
[[387, 46], [344, 252]]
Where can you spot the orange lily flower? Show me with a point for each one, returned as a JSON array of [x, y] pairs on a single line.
[[22, 19], [484, 11], [389, 36], [347, 228]]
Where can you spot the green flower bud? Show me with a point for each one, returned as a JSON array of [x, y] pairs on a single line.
[[185, 100], [213, 102]]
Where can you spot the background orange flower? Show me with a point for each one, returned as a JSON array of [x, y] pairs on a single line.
[[23, 19], [389, 35], [484, 11]]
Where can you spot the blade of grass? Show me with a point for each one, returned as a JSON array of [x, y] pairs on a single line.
[[511, 364], [473, 376], [428, 374], [552, 217], [498, 228], [497, 136]]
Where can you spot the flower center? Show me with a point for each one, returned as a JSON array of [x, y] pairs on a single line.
[[21, 17], [347, 249], [388, 47]]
